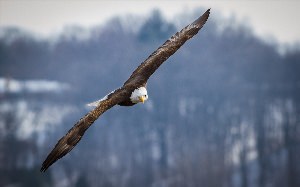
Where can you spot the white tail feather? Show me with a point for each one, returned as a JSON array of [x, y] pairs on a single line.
[[96, 103], [93, 104]]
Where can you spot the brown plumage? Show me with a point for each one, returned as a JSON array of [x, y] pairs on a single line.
[[122, 95]]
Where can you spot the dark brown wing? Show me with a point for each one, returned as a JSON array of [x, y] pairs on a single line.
[[69, 141], [150, 65]]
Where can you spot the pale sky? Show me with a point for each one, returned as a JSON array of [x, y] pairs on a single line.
[[276, 18]]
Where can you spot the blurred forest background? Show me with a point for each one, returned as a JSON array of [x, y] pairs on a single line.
[[223, 111]]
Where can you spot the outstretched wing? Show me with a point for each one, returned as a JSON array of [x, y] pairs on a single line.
[[69, 141], [150, 65]]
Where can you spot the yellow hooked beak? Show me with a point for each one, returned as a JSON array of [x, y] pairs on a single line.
[[142, 99]]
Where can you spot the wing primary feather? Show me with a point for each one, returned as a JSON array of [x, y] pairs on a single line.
[[152, 63], [74, 135], [68, 142]]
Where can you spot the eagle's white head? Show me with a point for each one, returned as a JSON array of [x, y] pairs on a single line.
[[139, 95]]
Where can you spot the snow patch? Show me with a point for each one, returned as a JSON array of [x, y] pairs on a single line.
[[32, 118], [8, 85]]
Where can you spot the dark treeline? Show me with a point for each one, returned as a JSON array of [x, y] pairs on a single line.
[[223, 111]]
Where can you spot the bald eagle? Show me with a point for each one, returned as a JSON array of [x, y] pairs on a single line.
[[132, 92]]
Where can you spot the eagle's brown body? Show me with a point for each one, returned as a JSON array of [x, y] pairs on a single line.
[[122, 95]]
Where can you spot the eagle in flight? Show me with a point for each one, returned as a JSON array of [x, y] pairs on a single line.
[[132, 92]]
